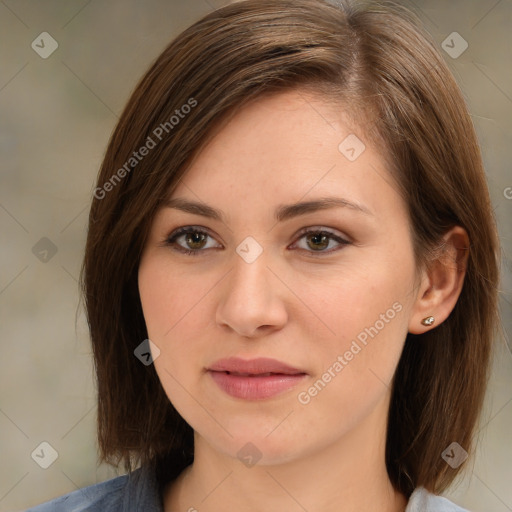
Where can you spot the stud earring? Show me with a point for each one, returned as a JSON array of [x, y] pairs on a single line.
[[429, 320]]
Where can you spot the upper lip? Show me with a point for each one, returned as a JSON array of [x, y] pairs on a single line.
[[256, 366]]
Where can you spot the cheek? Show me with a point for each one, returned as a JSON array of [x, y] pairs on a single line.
[[356, 365], [367, 313], [352, 302], [170, 299], [171, 303]]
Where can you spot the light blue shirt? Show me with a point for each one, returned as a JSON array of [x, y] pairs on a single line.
[[139, 491]]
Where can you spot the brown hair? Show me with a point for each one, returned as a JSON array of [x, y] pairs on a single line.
[[378, 64]]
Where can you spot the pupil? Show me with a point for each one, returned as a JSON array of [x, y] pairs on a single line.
[[195, 238], [318, 239]]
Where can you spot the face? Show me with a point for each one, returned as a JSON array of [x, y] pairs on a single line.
[[325, 289]]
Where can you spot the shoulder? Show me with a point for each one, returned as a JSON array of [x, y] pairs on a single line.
[[103, 496], [137, 490], [423, 501]]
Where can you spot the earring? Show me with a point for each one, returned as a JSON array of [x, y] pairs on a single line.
[[429, 320]]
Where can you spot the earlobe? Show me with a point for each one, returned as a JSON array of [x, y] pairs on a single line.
[[428, 321], [441, 282]]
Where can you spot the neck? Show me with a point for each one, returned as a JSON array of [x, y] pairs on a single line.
[[347, 475]]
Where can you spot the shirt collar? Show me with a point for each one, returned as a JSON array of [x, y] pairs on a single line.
[[142, 491]]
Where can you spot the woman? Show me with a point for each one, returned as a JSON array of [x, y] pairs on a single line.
[[291, 273]]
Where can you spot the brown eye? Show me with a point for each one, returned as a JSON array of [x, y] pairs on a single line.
[[318, 241], [321, 241], [190, 240], [195, 240]]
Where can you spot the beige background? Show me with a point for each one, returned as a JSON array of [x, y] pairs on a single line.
[[56, 115]]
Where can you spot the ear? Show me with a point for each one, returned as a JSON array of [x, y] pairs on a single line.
[[441, 283]]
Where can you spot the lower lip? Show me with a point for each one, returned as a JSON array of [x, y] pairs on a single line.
[[255, 388]]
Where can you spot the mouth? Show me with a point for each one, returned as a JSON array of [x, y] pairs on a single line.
[[255, 379], [268, 374]]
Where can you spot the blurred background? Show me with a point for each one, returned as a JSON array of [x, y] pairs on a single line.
[[66, 71]]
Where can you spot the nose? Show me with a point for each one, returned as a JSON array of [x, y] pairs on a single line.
[[252, 299]]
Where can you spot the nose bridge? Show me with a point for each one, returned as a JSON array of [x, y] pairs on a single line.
[[249, 278], [251, 275], [250, 297]]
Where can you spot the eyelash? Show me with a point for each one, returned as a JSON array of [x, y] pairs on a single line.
[[171, 240]]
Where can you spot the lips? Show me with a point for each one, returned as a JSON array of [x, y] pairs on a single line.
[[252, 374], [254, 379], [259, 366]]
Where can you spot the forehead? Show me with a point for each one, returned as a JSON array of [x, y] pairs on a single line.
[[282, 147]]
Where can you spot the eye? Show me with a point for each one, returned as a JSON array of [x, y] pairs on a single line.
[[192, 240], [319, 240], [189, 240]]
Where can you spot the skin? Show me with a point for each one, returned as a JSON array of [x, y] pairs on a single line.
[[301, 303]]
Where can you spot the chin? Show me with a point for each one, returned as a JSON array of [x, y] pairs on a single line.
[[262, 451], [265, 445]]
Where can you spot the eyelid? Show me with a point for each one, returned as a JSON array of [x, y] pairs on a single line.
[[342, 240], [182, 230], [323, 229]]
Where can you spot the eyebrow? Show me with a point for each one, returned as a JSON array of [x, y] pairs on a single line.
[[282, 213]]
